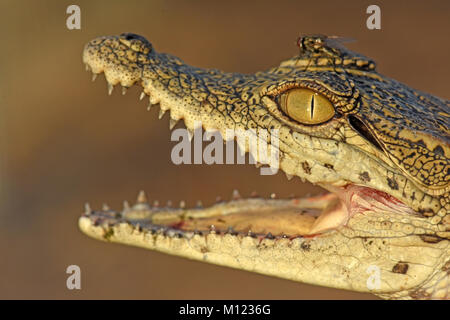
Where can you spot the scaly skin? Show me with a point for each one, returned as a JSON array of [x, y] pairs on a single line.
[[384, 155]]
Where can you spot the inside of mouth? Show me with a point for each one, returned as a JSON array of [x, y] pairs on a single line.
[[269, 221], [297, 217], [253, 216]]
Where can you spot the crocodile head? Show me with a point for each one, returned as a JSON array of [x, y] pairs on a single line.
[[379, 147]]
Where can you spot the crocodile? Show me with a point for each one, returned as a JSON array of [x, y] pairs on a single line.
[[379, 148]]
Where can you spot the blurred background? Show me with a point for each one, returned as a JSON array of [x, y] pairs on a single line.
[[64, 141]]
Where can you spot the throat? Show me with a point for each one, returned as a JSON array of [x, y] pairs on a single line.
[[351, 200]]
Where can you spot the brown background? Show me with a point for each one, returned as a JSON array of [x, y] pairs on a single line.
[[64, 141]]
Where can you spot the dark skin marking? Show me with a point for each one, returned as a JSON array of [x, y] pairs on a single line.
[[400, 267], [305, 246], [446, 267], [429, 238], [329, 166], [108, 234], [427, 213], [204, 250], [438, 150], [419, 294], [392, 184], [306, 167], [364, 176]]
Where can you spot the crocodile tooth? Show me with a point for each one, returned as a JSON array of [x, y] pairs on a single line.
[[258, 165], [289, 176], [170, 233], [124, 90], [235, 195], [161, 113], [110, 88], [172, 123], [87, 208], [142, 95], [142, 198], [182, 204], [87, 67], [269, 236], [189, 235], [212, 228], [149, 106], [105, 207], [94, 76], [273, 196], [126, 205]]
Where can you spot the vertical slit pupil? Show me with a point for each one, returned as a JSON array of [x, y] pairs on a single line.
[[312, 106]]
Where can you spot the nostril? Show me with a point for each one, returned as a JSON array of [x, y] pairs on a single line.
[[129, 36], [136, 42]]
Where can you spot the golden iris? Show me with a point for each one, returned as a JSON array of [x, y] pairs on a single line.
[[306, 106]]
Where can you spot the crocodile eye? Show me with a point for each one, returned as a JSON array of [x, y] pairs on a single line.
[[306, 106]]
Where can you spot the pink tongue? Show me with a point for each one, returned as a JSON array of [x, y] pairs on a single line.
[[353, 199]]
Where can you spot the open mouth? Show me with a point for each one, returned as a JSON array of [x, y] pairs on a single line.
[[263, 218], [291, 218]]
